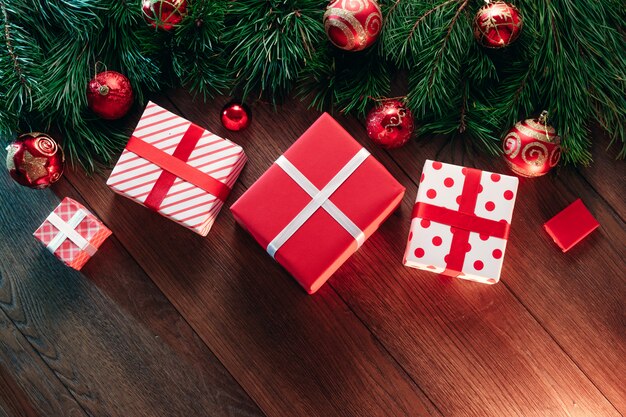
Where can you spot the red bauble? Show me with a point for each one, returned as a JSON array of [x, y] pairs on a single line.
[[497, 24], [353, 25], [164, 14], [110, 95], [35, 160], [390, 124], [236, 116], [532, 147]]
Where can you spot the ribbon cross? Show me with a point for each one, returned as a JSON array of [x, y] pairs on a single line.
[[67, 231], [174, 166], [320, 198]]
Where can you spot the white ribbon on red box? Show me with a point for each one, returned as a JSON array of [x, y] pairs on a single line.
[[67, 231], [320, 198]]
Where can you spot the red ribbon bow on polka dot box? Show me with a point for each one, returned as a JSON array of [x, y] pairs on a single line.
[[461, 222], [177, 169], [72, 233]]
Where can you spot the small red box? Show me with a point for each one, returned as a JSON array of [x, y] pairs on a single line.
[[571, 225], [319, 244]]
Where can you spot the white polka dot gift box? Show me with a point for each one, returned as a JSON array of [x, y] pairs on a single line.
[[72, 233], [460, 222], [177, 169]]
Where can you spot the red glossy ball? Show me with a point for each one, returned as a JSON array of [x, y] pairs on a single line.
[[110, 95], [497, 24], [35, 160], [531, 148], [164, 14], [236, 116], [353, 25], [390, 124]]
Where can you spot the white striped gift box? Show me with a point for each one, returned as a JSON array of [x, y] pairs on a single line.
[[135, 176]]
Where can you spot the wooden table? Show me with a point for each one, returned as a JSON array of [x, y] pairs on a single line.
[[163, 322]]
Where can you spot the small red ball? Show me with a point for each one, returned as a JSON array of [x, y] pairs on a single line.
[[390, 124], [497, 24], [236, 116], [164, 14], [353, 25], [110, 95], [35, 160], [532, 147]]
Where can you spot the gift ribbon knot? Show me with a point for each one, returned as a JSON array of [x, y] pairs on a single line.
[[67, 231], [175, 166], [319, 198], [463, 221]]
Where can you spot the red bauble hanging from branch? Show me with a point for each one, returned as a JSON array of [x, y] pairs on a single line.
[[35, 160], [164, 14], [110, 95], [390, 124], [497, 24], [353, 25], [532, 147]]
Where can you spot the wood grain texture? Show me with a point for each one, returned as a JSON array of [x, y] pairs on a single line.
[[109, 362], [28, 388], [382, 339]]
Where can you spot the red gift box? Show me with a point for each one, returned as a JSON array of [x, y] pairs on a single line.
[[72, 233], [571, 225], [313, 232]]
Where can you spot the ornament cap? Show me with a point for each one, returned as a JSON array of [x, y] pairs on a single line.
[[543, 117], [103, 90]]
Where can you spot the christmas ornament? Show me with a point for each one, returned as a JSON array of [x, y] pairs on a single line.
[[164, 14], [35, 160], [390, 124], [235, 116], [532, 147], [353, 25], [497, 24], [110, 95]]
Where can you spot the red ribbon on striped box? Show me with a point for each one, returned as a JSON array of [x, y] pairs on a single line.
[[177, 168]]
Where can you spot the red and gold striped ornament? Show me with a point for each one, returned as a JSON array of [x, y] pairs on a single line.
[[353, 25], [532, 147]]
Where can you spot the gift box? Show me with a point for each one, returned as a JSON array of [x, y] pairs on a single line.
[[72, 233], [571, 225], [314, 207], [460, 222], [177, 169]]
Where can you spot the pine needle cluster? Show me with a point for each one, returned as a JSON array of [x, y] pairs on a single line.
[[570, 60]]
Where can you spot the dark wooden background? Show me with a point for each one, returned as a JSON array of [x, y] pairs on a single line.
[[163, 322]]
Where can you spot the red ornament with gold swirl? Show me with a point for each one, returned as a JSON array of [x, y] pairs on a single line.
[[390, 124], [532, 147], [35, 160], [353, 25], [497, 24]]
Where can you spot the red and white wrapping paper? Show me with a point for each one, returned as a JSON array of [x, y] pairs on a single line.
[[314, 207], [178, 169], [72, 233], [461, 222]]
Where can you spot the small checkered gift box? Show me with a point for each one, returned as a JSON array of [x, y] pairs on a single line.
[[72, 233]]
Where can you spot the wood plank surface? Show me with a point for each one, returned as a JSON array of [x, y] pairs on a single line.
[[382, 339], [130, 355], [28, 387]]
